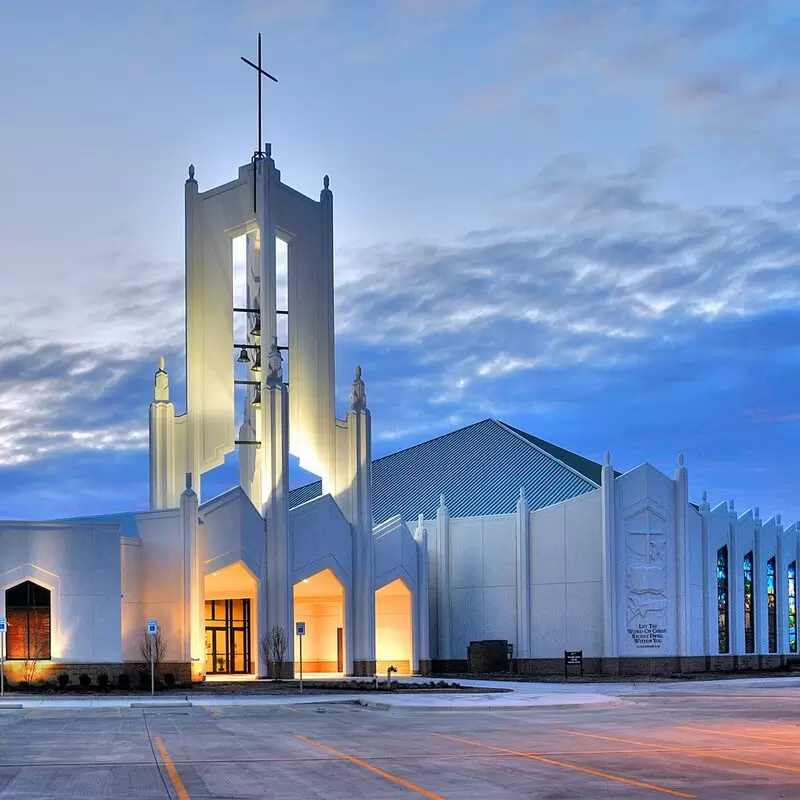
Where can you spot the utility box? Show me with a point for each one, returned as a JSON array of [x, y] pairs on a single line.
[[489, 655]]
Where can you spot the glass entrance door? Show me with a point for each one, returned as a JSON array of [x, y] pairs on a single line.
[[228, 637]]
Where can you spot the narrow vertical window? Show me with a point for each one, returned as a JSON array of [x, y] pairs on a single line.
[[792, 579], [722, 600], [749, 612], [772, 609]]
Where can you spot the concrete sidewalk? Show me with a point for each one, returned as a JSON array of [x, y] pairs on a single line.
[[521, 696]]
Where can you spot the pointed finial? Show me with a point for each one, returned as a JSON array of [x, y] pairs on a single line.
[[522, 494], [680, 459], [441, 501], [358, 397], [268, 149], [607, 458], [778, 518], [326, 182], [705, 495], [757, 511], [161, 382], [731, 506], [191, 172], [420, 519]]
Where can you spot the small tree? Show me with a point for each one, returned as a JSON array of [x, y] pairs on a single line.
[[272, 648], [158, 644]]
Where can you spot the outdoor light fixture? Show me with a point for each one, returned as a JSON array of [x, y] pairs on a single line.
[[244, 358], [257, 398], [257, 362]]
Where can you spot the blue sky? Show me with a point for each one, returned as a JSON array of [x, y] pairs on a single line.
[[580, 218]]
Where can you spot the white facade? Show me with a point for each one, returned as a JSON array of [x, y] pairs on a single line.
[[624, 570]]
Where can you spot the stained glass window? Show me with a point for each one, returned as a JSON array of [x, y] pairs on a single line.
[[792, 607], [28, 613], [722, 600], [772, 611], [749, 611]]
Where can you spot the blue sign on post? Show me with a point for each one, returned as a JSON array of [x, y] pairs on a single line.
[[152, 627], [3, 624], [301, 629]]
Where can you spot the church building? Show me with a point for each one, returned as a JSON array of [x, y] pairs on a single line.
[[485, 533]]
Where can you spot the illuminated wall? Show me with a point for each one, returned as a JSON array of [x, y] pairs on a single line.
[[319, 602], [393, 628]]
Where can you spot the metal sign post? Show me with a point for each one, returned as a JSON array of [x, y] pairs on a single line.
[[301, 632], [3, 629], [152, 630]]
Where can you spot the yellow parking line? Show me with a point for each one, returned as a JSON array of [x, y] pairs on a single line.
[[585, 770], [697, 752], [180, 789], [388, 775], [742, 735]]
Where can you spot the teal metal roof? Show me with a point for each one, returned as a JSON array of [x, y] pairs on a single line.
[[479, 469]]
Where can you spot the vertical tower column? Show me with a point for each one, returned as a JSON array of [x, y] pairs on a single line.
[[710, 644], [193, 585], [275, 591], [682, 556], [423, 637], [163, 491], [445, 599], [608, 503], [250, 429], [523, 532], [359, 430]]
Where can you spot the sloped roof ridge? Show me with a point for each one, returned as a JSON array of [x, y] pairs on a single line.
[[554, 451], [434, 439]]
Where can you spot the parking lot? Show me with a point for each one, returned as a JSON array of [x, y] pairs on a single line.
[[723, 742]]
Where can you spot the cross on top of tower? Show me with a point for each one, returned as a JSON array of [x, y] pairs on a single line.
[[257, 67]]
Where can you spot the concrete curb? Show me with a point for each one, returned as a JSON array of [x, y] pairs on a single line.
[[162, 704], [4, 705], [376, 706]]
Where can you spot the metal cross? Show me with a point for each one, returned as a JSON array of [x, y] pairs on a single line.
[[257, 67]]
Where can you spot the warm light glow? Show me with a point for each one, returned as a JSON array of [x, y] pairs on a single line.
[[393, 628], [321, 607]]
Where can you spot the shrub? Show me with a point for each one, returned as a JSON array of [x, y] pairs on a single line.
[[124, 680], [144, 680], [102, 681], [85, 681], [63, 680], [169, 680]]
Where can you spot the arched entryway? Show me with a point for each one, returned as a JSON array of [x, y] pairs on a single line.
[[394, 629], [29, 629], [230, 621], [319, 602]]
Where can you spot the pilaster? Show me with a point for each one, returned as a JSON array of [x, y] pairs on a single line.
[[682, 556], [360, 515], [422, 638], [444, 594], [710, 645], [193, 587], [275, 590], [608, 510], [523, 533]]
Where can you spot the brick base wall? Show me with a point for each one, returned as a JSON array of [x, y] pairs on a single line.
[[47, 671], [635, 667]]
